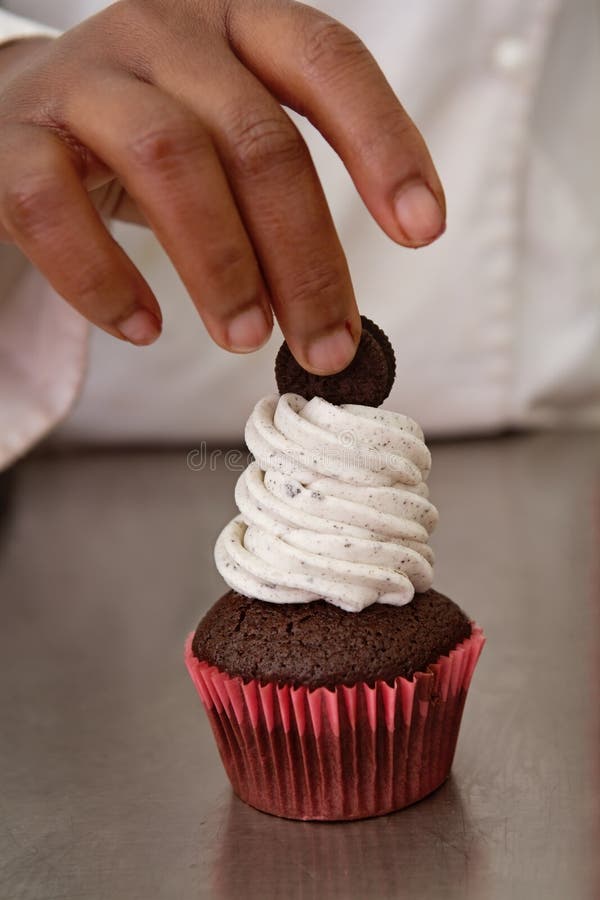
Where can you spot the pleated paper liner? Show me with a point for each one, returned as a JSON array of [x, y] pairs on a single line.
[[347, 753]]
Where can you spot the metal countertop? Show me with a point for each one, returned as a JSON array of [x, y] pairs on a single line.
[[110, 783]]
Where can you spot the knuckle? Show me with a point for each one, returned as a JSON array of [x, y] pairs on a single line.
[[29, 204], [330, 47], [226, 263], [322, 283], [94, 281], [267, 144], [392, 127], [164, 148]]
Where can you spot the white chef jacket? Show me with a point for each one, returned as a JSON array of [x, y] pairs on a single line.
[[495, 326]]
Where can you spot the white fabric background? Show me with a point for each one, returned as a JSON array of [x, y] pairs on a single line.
[[498, 324]]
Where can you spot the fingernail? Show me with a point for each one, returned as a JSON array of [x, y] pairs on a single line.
[[140, 328], [332, 352], [248, 331], [418, 213]]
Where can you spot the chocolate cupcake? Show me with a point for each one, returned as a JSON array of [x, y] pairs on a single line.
[[319, 645], [334, 676]]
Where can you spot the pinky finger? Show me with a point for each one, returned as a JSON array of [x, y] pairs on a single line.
[[46, 212]]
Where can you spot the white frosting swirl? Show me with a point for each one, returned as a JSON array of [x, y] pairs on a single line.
[[334, 506]]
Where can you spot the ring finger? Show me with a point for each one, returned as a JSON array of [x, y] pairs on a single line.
[[167, 162]]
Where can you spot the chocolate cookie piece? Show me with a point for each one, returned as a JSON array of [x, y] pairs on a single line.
[[317, 644], [367, 380], [385, 344]]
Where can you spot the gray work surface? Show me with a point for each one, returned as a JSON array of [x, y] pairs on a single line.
[[110, 784]]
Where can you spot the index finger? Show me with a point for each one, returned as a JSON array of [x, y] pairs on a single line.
[[321, 69]]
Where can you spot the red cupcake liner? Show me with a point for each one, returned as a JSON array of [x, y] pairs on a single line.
[[347, 753]]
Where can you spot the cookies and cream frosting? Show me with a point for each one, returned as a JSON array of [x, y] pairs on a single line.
[[334, 506]]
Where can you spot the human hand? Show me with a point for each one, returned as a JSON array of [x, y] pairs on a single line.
[[168, 112]]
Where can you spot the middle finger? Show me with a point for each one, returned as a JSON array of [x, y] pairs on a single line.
[[283, 206]]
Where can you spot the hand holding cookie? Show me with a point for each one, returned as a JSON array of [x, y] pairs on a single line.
[[169, 113]]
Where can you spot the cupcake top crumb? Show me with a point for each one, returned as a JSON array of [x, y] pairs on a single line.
[[317, 644]]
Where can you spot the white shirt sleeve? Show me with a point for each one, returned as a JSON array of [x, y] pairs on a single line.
[[43, 350], [43, 342], [15, 27]]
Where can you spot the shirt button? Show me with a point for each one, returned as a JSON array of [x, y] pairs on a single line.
[[510, 54]]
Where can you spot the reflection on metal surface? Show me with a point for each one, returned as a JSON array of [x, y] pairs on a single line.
[[593, 736], [110, 783], [260, 856]]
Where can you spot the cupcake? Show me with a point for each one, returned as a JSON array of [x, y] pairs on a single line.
[[333, 674]]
